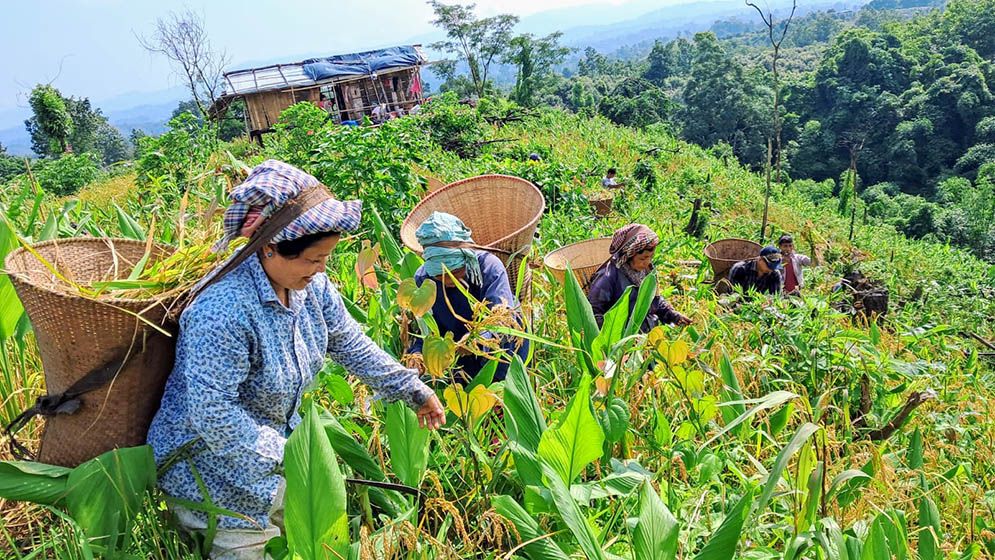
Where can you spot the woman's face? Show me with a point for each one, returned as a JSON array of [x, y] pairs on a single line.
[[296, 273], [641, 262]]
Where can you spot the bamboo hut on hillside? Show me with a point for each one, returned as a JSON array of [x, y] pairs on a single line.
[[347, 86]]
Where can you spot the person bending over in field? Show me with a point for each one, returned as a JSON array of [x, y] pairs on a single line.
[[793, 263], [450, 257], [630, 263], [609, 181], [761, 274], [249, 345]]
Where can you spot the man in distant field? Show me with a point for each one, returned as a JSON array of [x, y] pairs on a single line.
[[793, 263], [761, 274], [609, 181]]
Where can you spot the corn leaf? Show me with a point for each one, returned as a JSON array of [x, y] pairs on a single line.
[[781, 463]]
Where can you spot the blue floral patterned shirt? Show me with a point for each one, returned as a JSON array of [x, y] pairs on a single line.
[[243, 360]]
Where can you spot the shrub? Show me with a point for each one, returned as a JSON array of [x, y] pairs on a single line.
[[454, 126], [67, 175]]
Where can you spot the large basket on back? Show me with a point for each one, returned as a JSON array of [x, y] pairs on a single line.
[[76, 335], [724, 253], [503, 213], [584, 257]]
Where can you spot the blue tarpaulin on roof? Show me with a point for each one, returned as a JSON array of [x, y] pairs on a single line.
[[361, 63]]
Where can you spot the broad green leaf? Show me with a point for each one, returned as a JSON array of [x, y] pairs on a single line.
[[615, 484], [315, 519], [580, 319], [541, 546], [10, 306], [612, 328], [408, 444], [615, 419], [914, 456], [781, 463], [414, 298], [350, 450], [485, 376], [662, 432], [105, 494], [876, 544], [656, 531], [930, 532], [576, 439], [339, 389], [37, 483], [722, 544], [129, 227], [471, 406], [523, 420], [571, 514], [439, 354], [391, 249], [647, 291]]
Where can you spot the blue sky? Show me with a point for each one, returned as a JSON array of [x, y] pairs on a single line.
[[88, 47]]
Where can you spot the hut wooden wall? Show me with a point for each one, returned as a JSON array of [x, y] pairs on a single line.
[[265, 107]]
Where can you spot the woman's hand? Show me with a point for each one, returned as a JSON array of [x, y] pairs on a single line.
[[683, 320], [431, 415]]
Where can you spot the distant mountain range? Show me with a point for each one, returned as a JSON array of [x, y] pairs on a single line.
[[606, 28]]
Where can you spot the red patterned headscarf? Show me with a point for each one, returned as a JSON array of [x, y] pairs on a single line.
[[630, 241]]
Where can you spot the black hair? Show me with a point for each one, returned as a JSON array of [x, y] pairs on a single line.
[[785, 239], [611, 170], [293, 248]]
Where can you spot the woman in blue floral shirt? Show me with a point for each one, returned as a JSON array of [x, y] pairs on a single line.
[[248, 347]]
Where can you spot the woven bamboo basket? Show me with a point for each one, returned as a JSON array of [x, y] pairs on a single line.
[[724, 253], [77, 334], [584, 257], [601, 204], [501, 211], [434, 184]]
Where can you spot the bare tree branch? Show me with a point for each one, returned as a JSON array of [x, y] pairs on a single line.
[[182, 39]]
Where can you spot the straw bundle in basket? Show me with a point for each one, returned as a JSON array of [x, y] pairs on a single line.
[[584, 257], [724, 253], [77, 334], [503, 213]]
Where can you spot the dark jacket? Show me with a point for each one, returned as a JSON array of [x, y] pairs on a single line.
[[608, 285], [744, 274], [496, 290]]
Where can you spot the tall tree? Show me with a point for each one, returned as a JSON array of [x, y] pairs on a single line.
[[534, 59], [182, 39], [718, 102], [51, 124], [667, 60], [475, 42], [775, 35]]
